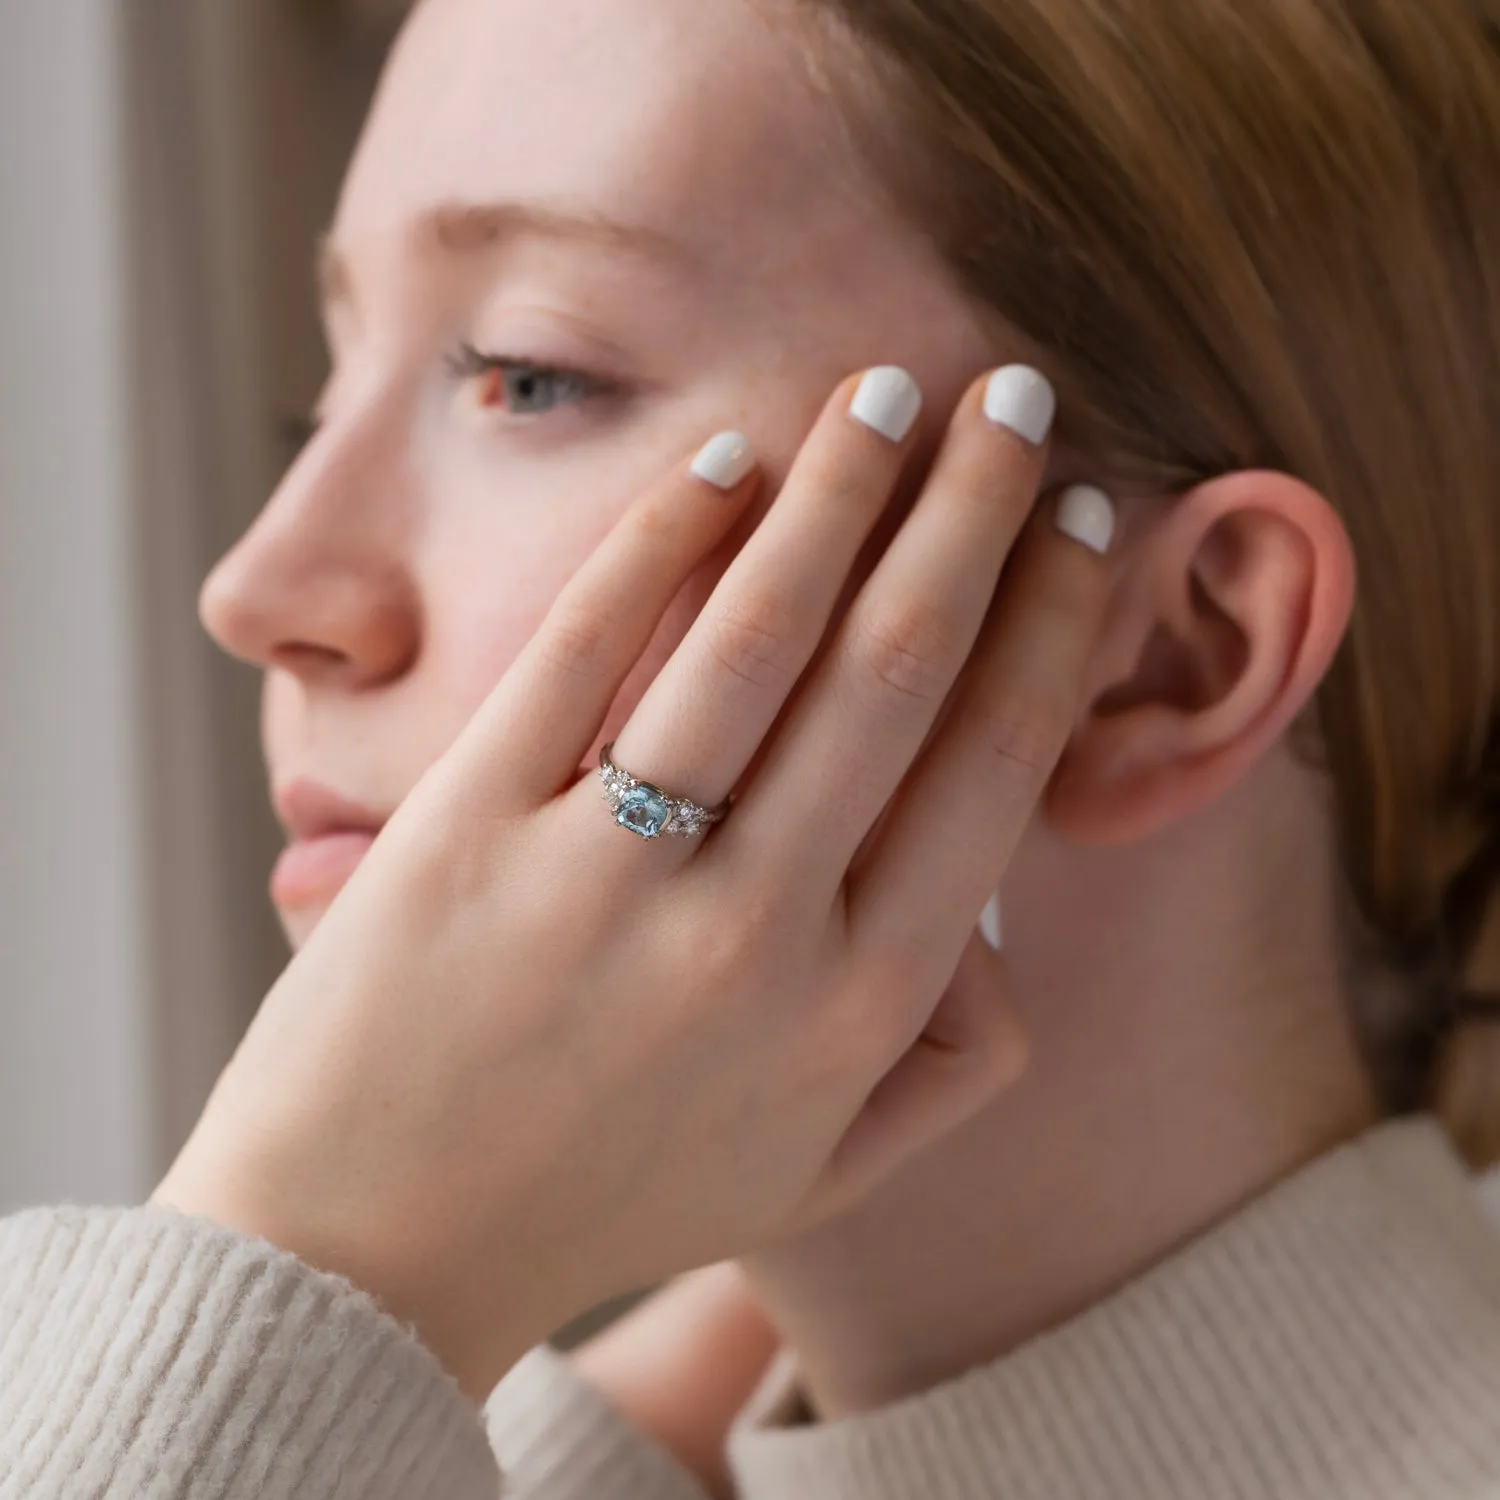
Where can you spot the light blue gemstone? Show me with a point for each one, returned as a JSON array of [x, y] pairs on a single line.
[[645, 811]]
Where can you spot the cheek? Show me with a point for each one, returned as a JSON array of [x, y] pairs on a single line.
[[674, 626], [491, 619], [479, 623]]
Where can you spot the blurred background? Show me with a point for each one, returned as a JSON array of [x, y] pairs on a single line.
[[165, 168]]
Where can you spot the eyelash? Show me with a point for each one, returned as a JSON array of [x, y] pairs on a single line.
[[296, 431], [471, 364]]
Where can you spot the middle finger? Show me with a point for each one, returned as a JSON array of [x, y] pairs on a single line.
[[852, 736], [703, 718]]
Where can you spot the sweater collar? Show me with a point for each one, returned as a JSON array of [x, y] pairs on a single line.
[[1340, 1335]]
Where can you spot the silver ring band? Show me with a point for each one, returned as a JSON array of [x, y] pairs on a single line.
[[649, 812]]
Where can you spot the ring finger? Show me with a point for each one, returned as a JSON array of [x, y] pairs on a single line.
[[701, 721]]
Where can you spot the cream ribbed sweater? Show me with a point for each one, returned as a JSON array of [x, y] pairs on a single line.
[[1339, 1337]]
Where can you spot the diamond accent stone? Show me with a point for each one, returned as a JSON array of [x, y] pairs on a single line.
[[616, 784]]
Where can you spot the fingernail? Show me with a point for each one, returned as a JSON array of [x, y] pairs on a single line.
[[989, 923], [1087, 515], [725, 460], [887, 400], [1022, 399]]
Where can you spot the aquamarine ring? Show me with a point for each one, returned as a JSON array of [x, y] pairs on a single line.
[[649, 812]]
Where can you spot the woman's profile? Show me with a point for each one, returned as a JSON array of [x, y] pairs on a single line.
[[1217, 1233]]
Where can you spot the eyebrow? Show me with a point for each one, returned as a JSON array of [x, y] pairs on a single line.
[[467, 229]]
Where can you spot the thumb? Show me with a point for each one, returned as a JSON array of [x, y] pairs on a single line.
[[971, 1050]]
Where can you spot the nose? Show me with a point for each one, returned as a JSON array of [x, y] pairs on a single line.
[[322, 584]]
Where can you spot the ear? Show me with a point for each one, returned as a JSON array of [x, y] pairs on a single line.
[[1230, 604]]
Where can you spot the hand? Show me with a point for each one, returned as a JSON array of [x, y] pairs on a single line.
[[682, 1365], [529, 1060]]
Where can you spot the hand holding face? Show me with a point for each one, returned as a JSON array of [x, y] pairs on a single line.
[[532, 1057]]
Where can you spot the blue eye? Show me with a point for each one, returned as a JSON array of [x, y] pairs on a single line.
[[523, 387]]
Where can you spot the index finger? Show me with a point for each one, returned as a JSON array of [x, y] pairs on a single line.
[[954, 825]]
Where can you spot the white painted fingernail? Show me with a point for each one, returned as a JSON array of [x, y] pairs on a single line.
[[1087, 515], [887, 400], [1022, 399], [725, 460], [989, 923]]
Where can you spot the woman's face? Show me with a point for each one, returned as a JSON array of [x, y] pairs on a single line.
[[650, 216]]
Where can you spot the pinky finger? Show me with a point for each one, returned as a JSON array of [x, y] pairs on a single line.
[[957, 820], [972, 1049], [540, 721]]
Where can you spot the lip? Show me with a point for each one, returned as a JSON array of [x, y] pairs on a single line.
[[328, 836], [308, 810], [313, 871]]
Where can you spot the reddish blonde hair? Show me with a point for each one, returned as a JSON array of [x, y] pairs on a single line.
[[1267, 235]]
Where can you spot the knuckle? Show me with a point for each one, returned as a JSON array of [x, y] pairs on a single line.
[[840, 482], [874, 1021], [729, 948], [1006, 1051], [1074, 591], [1025, 736], [657, 520], [891, 973], [913, 653], [885, 1031], [578, 645], [755, 638]]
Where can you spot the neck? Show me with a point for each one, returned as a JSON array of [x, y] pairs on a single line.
[[1169, 1085]]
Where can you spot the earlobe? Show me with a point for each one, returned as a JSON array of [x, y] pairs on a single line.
[[1230, 610]]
